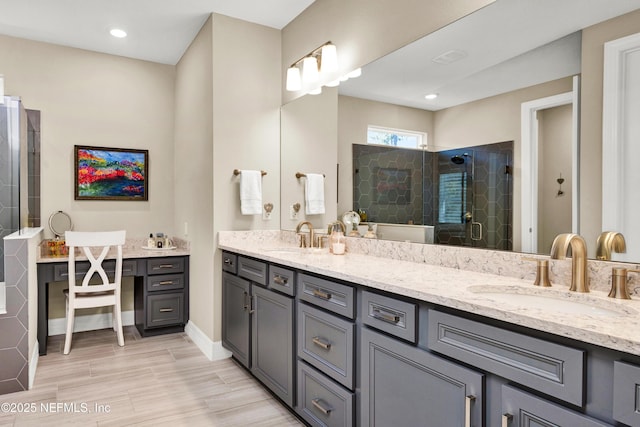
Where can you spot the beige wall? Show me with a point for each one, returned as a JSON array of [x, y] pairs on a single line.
[[88, 98], [354, 116], [555, 153], [193, 172], [246, 128], [593, 39], [364, 31], [309, 144]]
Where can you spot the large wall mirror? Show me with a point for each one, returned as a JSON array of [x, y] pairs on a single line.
[[502, 189]]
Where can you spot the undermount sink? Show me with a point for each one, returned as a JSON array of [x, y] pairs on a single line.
[[552, 301]]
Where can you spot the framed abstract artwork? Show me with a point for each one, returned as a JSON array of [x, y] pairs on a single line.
[[102, 173]]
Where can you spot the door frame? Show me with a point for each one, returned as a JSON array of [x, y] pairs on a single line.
[[529, 168]]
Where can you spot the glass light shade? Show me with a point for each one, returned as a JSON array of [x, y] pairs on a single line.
[[310, 72], [316, 91], [329, 62], [293, 79], [355, 73], [333, 83]]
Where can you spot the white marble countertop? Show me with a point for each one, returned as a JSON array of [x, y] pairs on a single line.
[[612, 323], [133, 248]]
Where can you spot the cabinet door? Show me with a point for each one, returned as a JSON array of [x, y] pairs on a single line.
[[272, 341], [404, 385], [235, 317], [522, 409]]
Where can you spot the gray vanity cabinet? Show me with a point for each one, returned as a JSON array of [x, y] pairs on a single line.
[[520, 409], [236, 320], [257, 323], [272, 352], [403, 385]]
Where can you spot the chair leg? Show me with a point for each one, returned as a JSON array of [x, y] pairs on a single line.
[[117, 320], [70, 320]]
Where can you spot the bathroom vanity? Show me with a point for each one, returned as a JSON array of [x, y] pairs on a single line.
[[161, 288], [389, 342]]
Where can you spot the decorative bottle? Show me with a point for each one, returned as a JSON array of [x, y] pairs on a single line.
[[151, 242]]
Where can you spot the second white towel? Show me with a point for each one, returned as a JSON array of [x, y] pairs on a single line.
[[250, 192], [314, 194]]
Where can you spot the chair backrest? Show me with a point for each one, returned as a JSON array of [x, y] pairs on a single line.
[[88, 241]]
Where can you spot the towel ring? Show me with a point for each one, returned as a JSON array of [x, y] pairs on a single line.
[[237, 172]]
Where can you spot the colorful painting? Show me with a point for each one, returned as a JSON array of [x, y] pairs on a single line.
[[392, 186], [111, 173]]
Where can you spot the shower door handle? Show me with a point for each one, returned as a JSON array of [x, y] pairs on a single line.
[[476, 231]]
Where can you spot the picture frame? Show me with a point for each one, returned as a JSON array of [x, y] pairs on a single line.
[[392, 186], [104, 173]]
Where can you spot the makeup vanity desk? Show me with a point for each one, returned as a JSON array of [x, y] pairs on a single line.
[[161, 287]]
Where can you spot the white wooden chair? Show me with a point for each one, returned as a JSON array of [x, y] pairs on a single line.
[[104, 293]]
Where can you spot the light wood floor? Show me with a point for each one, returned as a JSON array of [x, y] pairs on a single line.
[[157, 381]]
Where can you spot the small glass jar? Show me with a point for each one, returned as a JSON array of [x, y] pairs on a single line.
[[337, 241]]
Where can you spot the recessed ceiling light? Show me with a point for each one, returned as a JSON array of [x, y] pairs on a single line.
[[117, 32], [431, 96]]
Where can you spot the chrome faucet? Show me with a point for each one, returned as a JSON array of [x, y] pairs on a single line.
[[559, 249], [610, 241], [302, 241]]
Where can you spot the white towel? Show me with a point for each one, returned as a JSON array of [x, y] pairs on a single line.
[[314, 194], [250, 192]]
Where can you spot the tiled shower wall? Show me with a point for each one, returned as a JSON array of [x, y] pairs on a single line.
[[416, 199], [14, 325]]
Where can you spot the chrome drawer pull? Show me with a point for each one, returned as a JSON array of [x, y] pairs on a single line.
[[385, 317], [321, 342], [164, 282], [506, 419], [321, 294], [227, 261], [467, 410], [322, 406], [166, 310], [161, 266], [279, 280]]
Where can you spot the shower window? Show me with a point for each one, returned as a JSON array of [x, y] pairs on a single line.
[[396, 137], [453, 190]]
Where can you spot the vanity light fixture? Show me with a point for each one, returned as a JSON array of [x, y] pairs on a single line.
[[431, 96], [117, 32], [316, 69]]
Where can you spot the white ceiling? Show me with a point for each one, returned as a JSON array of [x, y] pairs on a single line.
[[509, 44], [158, 30]]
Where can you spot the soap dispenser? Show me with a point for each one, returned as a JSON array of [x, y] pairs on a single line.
[[337, 240]]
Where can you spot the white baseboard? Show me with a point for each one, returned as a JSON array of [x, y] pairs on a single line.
[[89, 322], [33, 364], [212, 349]]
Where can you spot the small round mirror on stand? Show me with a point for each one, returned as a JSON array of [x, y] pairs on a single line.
[[59, 222]]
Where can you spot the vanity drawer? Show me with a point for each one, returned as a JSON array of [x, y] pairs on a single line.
[[61, 271], [165, 309], [626, 393], [165, 265], [322, 402], [165, 282], [389, 315], [327, 343], [256, 271], [282, 279], [550, 368], [332, 296], [229, 262]]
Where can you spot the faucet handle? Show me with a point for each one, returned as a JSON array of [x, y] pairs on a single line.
[[542, 271], [303, 240], [619, 287]]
